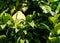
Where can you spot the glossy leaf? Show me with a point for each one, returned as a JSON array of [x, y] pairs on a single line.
[[57, 26], [46, 9], [54, 0]]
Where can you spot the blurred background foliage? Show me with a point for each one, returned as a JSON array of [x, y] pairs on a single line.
[[42, 23]]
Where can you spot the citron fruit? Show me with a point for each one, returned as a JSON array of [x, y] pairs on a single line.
[[18, 16]]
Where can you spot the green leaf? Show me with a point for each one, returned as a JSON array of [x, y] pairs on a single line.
[[2, 36], [57, 26], [21, 26], [29, 18], [54, 40], [46, 9], [47, 27], [51, 39], [53, 33], [3, 26], [58, 8], [27, 41], [54, 0], [18, 39], [58, 31], [0, 19], [4, 18], [54, 19], [12, 10], [3, 39], [32, 24], [10, 23], [25, 31], [22, 41], [4, 11]]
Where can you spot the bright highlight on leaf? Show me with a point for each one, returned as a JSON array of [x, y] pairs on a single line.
[[32, 24], [58, 31], [46, 9], [57, 27], [22, 41], [54, 0]]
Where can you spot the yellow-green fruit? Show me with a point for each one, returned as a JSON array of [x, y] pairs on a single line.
[[18, 16]]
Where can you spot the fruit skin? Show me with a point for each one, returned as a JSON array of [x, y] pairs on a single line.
[[18, 15]]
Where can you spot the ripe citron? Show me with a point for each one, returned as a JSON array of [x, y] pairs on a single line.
[[18, 16]]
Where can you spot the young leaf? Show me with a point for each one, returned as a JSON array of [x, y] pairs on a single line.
[[54, 19], [32, 24], [46, 9], [3, 26], [58, 8], [27, 41], [54, 0], [22, 41], [57, 27]]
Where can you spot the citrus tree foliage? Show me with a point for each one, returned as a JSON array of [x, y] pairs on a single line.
[[29, 21]]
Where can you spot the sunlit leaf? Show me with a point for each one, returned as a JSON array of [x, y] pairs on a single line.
[[58, 8], [53, 40], [53, 0], [22, 41], [3, 26], [54, 19], [21, 26], [46, 9], [12, 10], [18, 39], [25, 31], [58, 31], [32, 24], [53, 33], [29, 18], [2, 36], [27, 41], [56, 27]]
